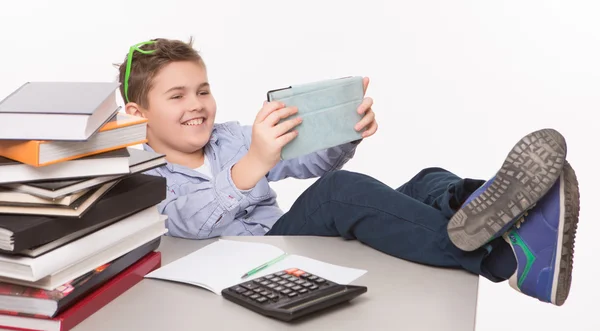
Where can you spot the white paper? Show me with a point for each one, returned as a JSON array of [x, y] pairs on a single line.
[[218, 265], [332, 272], [222, 264]]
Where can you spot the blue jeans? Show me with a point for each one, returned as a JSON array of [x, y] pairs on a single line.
[[408, 222]]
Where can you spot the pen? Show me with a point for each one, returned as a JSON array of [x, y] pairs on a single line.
[[261, 267]]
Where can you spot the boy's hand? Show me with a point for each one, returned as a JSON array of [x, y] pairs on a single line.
[[368, 121], [268, 138]]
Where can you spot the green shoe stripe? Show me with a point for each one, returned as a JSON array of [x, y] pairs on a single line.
[[516, 240]]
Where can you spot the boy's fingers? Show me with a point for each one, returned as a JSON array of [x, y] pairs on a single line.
[[372, 129], [286, 126], [286, 138], [278, 114], [366, 81], [366, 120], [267, 109], [365, 105]]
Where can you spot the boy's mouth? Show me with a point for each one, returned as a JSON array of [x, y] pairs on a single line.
[[194, 121]]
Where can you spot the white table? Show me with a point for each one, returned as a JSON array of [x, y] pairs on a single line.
[[401, 295]]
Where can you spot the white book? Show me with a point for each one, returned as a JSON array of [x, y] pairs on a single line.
[[57, 110], [121, 248], [83, 250], [139, 161], [110, 163]]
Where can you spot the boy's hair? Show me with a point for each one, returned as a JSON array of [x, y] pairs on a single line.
[[147, 60]]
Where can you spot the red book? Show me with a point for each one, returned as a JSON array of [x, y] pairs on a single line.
[[88, 305]]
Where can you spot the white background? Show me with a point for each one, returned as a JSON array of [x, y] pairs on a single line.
[[455, 84]]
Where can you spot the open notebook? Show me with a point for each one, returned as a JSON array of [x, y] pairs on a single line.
[[222, 264]]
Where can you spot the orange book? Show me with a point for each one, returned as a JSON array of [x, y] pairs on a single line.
[[121, 131]]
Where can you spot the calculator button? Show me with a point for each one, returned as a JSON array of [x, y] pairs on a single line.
[[272, 285], [288, 285], [297, 287], [302, 291], [261, 299], [314, 287], [255, 296], [265, 293], [305, 275], [269, 276], [291, 270], [299, 281], [265, 283], [298, 273], [239, 289], [286, 291], [258, 280], [283, 282], [307, 284], [249, 286], [313, 278], [276, 279], [247, 294], [281, 273], [279, 288], [258, 289], [292, 294], [273, 296], [320, 281]]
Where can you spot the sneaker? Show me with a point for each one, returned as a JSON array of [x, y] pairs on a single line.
[[543, 242], [529, 171]]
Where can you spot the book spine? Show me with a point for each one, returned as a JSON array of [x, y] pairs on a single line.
[[27, 152], [110, 291], [110, 207]]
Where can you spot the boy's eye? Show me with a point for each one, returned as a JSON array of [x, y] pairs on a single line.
[[203, 92], [176, 97]]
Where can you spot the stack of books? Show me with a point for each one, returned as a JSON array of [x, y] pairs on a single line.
[[78, 218]]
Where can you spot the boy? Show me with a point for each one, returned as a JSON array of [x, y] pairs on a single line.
[[218, 184]]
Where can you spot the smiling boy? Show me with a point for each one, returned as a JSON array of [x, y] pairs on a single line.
[[519, 225]]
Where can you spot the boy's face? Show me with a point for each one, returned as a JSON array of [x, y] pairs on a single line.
[[181, 110]]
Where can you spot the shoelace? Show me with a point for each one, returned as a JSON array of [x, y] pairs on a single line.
[[517, 225]]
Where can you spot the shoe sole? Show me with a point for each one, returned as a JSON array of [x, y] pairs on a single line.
[[528, 172], [566, 236]]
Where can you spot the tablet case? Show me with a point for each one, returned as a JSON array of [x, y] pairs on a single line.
[[329, 112]]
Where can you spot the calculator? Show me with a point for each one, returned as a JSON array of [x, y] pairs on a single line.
[[289, 294]]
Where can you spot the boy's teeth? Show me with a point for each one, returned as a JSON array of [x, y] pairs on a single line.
[[196, 121]]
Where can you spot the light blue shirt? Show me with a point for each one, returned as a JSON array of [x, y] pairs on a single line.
[[200, 206]]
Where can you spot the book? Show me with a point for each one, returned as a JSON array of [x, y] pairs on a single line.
[[222, 263], [75, 209], [329, 112], [139, 161], [110, 163], [32, 235], [12, 197], [57, 110], [76, 258], [121, 131], [26, 301], [88, 305]]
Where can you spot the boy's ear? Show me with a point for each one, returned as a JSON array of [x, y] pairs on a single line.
[[134, 109]]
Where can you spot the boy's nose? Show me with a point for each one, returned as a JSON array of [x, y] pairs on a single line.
[[195, 104]]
